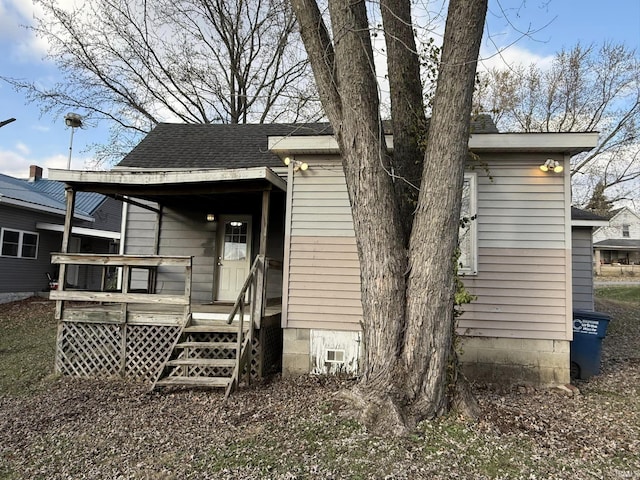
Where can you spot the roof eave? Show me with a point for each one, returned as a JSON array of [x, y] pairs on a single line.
[[569, 143], [589, 223], [166, 177]]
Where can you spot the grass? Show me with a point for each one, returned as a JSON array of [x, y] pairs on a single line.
[[27, 346], [113, 430], [620, 293]]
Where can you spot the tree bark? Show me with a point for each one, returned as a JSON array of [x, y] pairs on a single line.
[[408, 320], [431, 288], [407, 109]]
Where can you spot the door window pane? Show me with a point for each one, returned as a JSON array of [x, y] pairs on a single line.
[[235, 240]]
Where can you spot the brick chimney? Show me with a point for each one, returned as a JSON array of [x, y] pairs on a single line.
[[35, 173]]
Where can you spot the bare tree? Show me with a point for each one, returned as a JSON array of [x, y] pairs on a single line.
[[136, 63], [407, 293], [585, 89]]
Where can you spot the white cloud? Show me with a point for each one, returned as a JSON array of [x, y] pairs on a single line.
[[500, 57], [22, 148], [15, 18], [16, 163]]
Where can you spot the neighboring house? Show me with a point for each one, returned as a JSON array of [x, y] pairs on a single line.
[[222, 196], [32, 214], [619, 241], [583, 224]]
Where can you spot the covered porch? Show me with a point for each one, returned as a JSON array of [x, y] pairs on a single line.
[[197, 282]]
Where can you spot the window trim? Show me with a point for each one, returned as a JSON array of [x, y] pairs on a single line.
[[21, 234], [626, 230], [472, 178]]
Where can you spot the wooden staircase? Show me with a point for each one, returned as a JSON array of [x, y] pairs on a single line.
[[214, 353], [206, 354]]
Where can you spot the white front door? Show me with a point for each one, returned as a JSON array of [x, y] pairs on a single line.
[[234, 254]]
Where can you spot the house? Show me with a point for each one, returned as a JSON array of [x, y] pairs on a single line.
[[32, 215], [583, 224], [258, 217], [619, 241]]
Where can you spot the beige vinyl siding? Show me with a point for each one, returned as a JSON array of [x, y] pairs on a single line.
[[323, 271], [324, 283], [520, 294], [521, 285], [523, 267], [582, 268]]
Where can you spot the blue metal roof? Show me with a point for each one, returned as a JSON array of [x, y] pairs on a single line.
[[26, 192], [85, 201]]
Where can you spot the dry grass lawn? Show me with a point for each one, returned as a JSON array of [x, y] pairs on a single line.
[[59, 428]]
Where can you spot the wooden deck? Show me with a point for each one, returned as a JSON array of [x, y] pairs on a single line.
[[146, 314]]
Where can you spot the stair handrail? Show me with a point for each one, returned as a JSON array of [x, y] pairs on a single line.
[[243, 343]]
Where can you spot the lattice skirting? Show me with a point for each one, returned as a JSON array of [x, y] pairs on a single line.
[[103, 350]]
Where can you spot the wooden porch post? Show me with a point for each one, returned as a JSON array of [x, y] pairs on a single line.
[[70, 196], [261, 273]]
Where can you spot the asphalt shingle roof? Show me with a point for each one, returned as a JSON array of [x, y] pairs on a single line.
[[171, 146], [579, 214], [623, 243]]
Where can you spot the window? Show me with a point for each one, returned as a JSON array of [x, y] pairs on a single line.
[[235, 240], [467, 262], [625, 231], [16, 243]]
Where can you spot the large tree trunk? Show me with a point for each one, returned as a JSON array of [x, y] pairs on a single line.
[[407, 109], [431, 287], [407, 299]]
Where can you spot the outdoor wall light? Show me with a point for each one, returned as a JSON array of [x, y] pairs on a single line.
[[211, 217], [551, 166], [297, 165]]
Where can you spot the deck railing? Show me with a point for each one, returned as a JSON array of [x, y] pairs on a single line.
[[124, 295], [106, 335]]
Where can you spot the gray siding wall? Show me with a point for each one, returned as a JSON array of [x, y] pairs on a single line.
[[181, 233], [108, 216], [582, 268], [24, 274], [187, 233]]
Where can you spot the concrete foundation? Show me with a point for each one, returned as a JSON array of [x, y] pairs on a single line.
[[516, 360]]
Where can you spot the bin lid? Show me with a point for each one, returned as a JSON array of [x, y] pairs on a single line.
[[590, 315]]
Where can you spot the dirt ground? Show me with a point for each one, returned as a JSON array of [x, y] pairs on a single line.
[[291, 429]]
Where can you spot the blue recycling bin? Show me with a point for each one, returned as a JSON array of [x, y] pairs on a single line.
[[589, 328]]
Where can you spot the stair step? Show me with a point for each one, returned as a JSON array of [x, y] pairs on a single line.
[[202, 362], [212, 329], [220, 345], [194, 381], [218, 321]]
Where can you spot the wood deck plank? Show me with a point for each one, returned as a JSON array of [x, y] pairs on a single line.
[[202, 362], [221, 382]]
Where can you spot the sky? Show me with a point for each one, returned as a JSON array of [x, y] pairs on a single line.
[[43, 139]]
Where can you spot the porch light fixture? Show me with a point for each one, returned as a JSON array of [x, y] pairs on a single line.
[[211, 217], [551, 166], [297, 164]]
